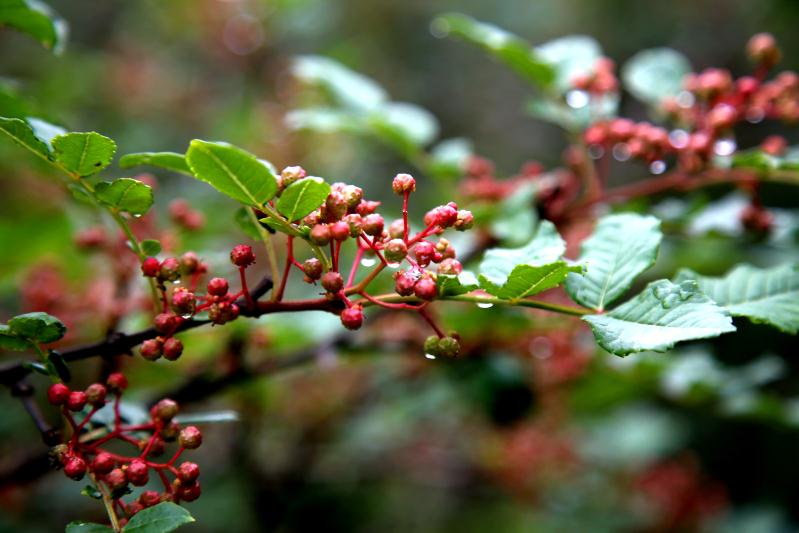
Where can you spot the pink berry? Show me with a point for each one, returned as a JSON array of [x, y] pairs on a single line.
[[242, 256], [58, 394], [352, 317]]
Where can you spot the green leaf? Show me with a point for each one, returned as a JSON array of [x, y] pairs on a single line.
[[302, 197], [151, 247], [84, 154], [515, 223], [87, 527], [654, 74], [763, 295], [544, 248], [246, 224], [326, 120], [572, 119], [37, 20], [527, 280], [11, 341], [449, 157], [621, 247], [348, 88], [569, 57], [31, 133], [405, 124], [161, 518], [510, 49], [38, 326], [451, 285], [755, 159], [126, 194], [232, 171], [663, 314], [168, 160]]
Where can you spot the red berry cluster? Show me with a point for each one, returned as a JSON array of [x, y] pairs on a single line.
[[345, 214], [183, 302], [600, 81], [116, 473], [184, 216]]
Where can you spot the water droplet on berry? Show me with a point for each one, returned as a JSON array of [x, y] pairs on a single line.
[[577, 99], [430, 356], [679, 139], [393, 265], [657, 167], [685, 99], [186, 316], [368, 262], [621, 152], [725, 147]]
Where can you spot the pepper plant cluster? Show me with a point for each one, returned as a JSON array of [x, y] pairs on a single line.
[[330, 236]]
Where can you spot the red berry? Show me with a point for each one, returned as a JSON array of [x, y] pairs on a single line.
[[188, 472], [320, 234], [76, 400], [95, 394], [148, 498], [425, 289], [762, 48], [117, 382], [116, 479], [352, 317], [403, 183], [189, 263], [58, 394], [150, 267], [190, 491], [183, 301], [450, 266], [103, 463], [242, 256], [151, 349], [424, 252], [367, 207], [395, 250], [173, 349], [166, 323], [137, 472], [312, 268], [373, 225], [190, 438], [336, 205], [165, 410], [339, 231], [170, 269], [404, 283], [332, 282], [218, 286], [75, 468]]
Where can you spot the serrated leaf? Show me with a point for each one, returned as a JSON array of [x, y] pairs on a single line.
[[126, 194], [168, 160], [30, 133], [569, 57], [11, 341], [83, 154], [151, 247], [161, 518], [663, 314], [302, 197], [232, 171], [37, 326], [654, 74], [763, 295], [87, 527], [621, 247], [510, 49], [348, 88], [544, 248], [36, 19], [452, 285], [527, 280]]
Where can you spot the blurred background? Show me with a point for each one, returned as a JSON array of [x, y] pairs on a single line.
[[535, 430]]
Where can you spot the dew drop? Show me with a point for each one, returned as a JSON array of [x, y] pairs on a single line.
[[595, 151], [176, 282], [657, 167], [685, 99], [368, 262], [137, 216], [679, 139], [577, 99], [485, 305], [725, 147], [393, 265], [430, 356], [185, 317], [621, 152]]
